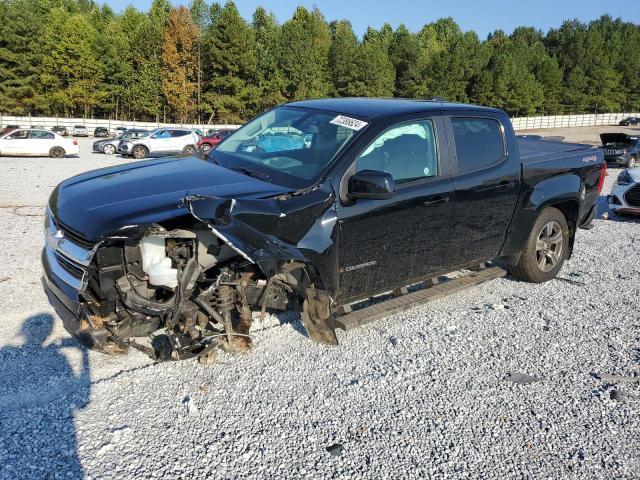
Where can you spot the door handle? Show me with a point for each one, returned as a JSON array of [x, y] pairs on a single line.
[[502, 186], [435, 200]]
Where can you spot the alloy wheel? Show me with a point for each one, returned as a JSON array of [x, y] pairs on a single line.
[[549, 246]]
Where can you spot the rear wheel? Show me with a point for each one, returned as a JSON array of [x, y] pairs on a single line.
[[189, 150], [205, 147], [57, 152], [109, 149], [139, 152], [632, 162], [546, 248]]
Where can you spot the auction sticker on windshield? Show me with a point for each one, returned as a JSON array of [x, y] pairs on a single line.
[[348, 122]]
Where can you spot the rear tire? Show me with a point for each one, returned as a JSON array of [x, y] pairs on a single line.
[[632, 162], [545, 250], [109, 149], [139, 152], [205, 147], [57, 152], [189, 150]]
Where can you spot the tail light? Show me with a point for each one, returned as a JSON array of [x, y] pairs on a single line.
[[75, 142], [603, 173]]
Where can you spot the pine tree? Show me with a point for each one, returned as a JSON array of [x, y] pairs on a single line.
[[306, 40], [231, 61], [269, 76], [180, 62]]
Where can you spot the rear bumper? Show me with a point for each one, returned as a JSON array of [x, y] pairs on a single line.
[[617, 160]]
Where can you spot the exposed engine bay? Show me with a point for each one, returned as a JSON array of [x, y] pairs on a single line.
[[182, 289]]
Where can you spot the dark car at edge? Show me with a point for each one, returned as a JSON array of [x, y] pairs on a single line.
[[170, 256], [620, 149]]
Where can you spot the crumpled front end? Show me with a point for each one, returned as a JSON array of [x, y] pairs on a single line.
[[184, 287]]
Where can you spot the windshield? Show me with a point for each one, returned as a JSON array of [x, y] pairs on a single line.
[[293, 144]]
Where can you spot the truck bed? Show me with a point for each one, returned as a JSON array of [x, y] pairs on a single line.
[[533, 150]]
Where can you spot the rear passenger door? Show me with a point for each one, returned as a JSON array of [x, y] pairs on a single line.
[[41, 142], [487, 184], [179, 140]]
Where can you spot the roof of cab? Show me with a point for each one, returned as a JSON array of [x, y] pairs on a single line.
[[380, 107]]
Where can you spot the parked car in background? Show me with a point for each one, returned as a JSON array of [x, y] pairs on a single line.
[[8, 128], [109, 146], [80, 131], [625, 193], [212, 138], [60, 130], [620, 149], [629, 121], [161, 141], [36, 143], [101, 132]]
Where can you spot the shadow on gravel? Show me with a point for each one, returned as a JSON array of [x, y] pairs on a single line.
[[39, 394]]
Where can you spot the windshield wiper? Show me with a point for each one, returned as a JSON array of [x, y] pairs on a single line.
[[248, 171]]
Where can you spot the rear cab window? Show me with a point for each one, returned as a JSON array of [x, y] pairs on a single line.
[[479, 142]]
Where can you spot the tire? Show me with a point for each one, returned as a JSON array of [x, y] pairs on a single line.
[[632, 162], [206, 147], [57, 152], [189, 150], [546, 248], [139, 152], [109, 149]]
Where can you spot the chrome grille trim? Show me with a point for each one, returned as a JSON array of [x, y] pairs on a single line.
[[60, 249]]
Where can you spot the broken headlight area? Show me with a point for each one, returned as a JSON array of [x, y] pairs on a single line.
[[176, 293]]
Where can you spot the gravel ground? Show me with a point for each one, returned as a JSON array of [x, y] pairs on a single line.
[[417, 395]]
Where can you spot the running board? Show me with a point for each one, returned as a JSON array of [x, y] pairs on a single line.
[[403, 301]]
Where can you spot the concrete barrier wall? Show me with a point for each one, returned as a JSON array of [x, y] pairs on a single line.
[[91, 123], [519, 123], [560, 121]]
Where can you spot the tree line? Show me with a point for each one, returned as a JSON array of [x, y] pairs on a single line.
[[206, 62]]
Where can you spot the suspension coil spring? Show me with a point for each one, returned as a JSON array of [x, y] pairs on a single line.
[[224, 297]]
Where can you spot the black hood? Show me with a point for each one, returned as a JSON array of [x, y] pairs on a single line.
[[100, 202]]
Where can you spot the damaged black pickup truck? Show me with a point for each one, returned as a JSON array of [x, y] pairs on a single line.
[[312, 205]]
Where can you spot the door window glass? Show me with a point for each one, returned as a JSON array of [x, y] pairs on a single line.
[[479, 142], [162, 134], [179, 133], [407, 151], [40, 134], [19, 135]]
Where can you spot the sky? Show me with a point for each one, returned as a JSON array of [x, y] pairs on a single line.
[[482, 16]]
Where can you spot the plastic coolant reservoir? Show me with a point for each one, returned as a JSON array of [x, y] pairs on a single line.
[[156, 264]]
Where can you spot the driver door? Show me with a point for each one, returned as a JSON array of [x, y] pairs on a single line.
[[161, 141], [16, 143], [385, 244]]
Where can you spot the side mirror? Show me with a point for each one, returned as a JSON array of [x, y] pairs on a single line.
[[371, 184]]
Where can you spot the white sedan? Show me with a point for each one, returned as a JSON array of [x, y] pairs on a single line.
[[36, 143], [625, 194]]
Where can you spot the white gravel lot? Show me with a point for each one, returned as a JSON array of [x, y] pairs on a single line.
[[420, 394]]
